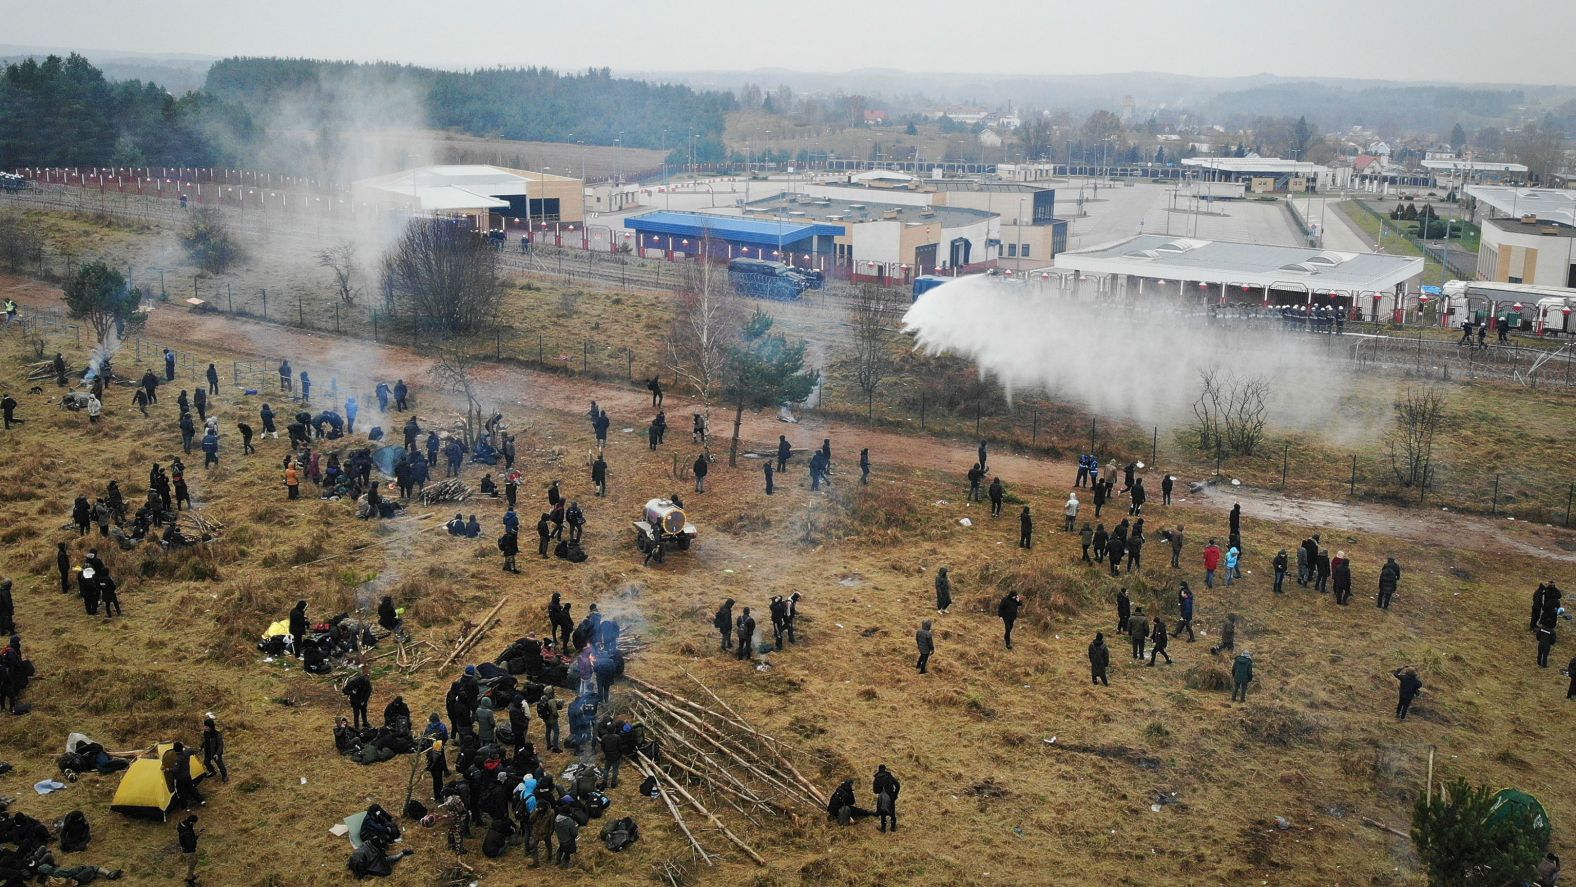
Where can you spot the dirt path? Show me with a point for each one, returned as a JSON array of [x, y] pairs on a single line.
[[534, 390]]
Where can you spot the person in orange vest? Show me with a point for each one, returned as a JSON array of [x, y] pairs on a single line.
[[292, 481]]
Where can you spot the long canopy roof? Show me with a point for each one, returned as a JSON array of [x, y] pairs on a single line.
[[1160, 257]]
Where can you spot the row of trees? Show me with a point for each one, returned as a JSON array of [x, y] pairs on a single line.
[[63, 112], [514, 103]]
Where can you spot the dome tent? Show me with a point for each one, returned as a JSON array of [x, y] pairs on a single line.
[[143, 791]]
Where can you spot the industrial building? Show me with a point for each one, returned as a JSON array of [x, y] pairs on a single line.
[[895, 237], [1262, 175], [1528, 235], [491, 196], [674, 235], [1220, 272], [1455, 172]]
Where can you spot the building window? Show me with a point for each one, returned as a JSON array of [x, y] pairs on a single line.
[[1570, 277], [1012, 250], [1024, 251], [1514, 280]]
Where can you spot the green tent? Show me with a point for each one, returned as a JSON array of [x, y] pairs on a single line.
[[1509, 801]]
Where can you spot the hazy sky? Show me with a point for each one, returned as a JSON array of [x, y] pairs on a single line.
[[1525, 41]]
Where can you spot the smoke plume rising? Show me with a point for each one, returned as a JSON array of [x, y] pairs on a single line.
[[1138, 360]]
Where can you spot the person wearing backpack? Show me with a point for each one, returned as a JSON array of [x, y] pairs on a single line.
[[886, 788], [1138, 632], [1241, 676], [547, 710], [566, 830]]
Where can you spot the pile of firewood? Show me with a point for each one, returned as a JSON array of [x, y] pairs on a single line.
[[195, 528], [450, 490], [711, 747], [38, 372]]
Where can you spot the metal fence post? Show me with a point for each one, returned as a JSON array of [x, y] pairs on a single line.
[[630, 353], [1352, 491], [1569, 494], [1154, 447], [922, 411], [229, 292], [538, 347], [585, 356], [497, 343], [1034, 429], [265, 303], [1285, 464], [1494, 507]]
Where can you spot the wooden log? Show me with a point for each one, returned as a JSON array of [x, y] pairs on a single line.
[[476, 633], [701, 809], [673, 810], [771, 743], [726, 774], [738, 758], [1385, 828]]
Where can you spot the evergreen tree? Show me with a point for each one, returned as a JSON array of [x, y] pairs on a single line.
[[763, 370], [1465, 839]]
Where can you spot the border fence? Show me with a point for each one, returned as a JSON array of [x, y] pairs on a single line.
[[1029, 423]]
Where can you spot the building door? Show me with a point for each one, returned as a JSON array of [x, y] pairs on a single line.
[[925, 258], [960, 252]]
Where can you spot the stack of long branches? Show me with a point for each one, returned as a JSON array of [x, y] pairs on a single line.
[[450, 490], [707, 745], [195, 528]]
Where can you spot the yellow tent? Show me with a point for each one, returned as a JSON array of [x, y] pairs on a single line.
[[143, 791]]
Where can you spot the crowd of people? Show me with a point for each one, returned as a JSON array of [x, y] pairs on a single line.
[[486, 773]]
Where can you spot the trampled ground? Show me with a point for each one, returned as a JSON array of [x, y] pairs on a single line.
[[987, 800]]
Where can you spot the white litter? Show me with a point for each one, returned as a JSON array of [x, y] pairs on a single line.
[[303, 780], [1154, 808], [339, 830], [965, 522]]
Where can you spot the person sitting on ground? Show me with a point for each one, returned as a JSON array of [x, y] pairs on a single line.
[[456, 527], [488, 487], [473, 528], [840, 806]]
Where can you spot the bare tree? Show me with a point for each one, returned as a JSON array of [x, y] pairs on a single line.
[[209, 241], [1419, 414], [340, 260], [1230, 412], [705, 328], [873, 316], [20, 242], [454, 370], [445, 275]]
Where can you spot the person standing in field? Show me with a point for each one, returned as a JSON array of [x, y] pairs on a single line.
[[925, 641], [1099, 660], [1008, 610], [943, 591]]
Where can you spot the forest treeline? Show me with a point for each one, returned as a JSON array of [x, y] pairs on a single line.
[[64, 112]]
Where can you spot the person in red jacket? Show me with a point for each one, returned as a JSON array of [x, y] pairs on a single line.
[[1211, 561]]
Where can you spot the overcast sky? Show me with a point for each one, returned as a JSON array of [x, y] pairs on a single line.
[[1523, 41]]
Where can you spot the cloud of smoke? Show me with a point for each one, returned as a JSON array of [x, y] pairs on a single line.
[[1139, 361]]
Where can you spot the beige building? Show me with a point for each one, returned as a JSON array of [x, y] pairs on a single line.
[[1529, 235], [490, 196]]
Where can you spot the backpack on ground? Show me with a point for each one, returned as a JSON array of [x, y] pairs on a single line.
[[620, 833]]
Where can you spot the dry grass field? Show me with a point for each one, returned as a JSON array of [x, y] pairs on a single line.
[[1156, 779]]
